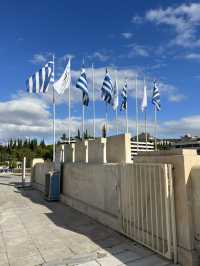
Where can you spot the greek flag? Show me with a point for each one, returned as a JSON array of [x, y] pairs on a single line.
[[39, 82], [156, 97], [83, 86], [124, 97], [107, 88], [115, 101]]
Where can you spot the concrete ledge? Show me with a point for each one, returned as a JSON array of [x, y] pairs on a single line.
[[97, 151], [38, 186], [170, 152], [93, 212]]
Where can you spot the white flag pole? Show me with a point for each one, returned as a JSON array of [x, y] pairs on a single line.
[[127, 130], [93, 94], [145, 115], [126, 117], [83, 120], [106, 119], [69, 113], [155, 126], [54, 116], [136, 107], [145, 121], [116, 111]]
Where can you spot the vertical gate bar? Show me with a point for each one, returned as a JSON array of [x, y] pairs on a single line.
[[131, 214], [137, 185], [129, 199], [161, 209], [126, 205], [141, 189], [134, 199], [123, 202], [173, 217], [167, 209], [156, 207], [150, 187], [146, 204], [120, 200]]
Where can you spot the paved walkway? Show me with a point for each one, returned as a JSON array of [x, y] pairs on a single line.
[[36, 232]]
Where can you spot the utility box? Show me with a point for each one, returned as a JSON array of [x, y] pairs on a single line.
[[52, 186]]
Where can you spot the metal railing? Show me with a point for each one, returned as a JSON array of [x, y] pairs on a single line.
[[141, 146], [147, 207]]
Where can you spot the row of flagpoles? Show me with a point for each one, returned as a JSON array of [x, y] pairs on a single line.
[[44, 78]]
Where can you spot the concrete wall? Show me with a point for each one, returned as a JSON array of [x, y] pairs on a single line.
[[97, 150], [81, 151], [69, 153], [92, 189], [183, 161], [195, 177], [38, 174], [118, 149]]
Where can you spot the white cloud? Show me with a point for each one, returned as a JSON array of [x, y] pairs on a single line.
[[137, 19], [192, 56], [183, 19], [177, 98], [182, 126], [39, 58], [31, 117], [127, 35], [137, 50], [101, 56]]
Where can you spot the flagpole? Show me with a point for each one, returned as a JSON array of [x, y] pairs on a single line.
[[136, 107], [145, 121], [106, 119], [155, 126], [54, 116], [116, 112], [83, 120], [145, 116], [69, 113], [93, 93], [126, 117]]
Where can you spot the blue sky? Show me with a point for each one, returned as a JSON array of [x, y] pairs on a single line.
[[151, 39]]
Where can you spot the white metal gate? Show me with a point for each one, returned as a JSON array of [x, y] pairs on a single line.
[[147, 207]]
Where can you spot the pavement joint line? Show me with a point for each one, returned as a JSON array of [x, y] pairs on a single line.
[[31, 238], [6, 251]]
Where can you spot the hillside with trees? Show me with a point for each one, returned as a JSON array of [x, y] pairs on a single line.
[[16, 149]]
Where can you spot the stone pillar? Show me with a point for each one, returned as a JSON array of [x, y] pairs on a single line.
[[81, 151], [97, 151], [33, 163], [119, 149], [69, 153], [59, 158], [183, 160]]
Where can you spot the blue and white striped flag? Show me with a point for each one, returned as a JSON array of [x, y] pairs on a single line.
[[107, 88], [82, 84], [156, 97], [124, 97], [39, 82]]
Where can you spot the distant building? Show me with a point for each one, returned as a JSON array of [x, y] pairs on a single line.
[[188, 142]]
